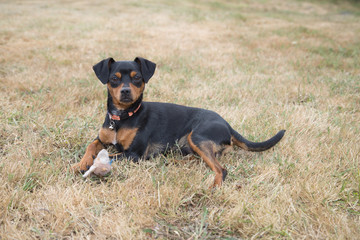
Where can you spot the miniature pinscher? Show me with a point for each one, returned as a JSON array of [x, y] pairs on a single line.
[[140, 130]]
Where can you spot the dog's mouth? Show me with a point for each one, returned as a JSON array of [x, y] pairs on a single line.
[[126, 99]]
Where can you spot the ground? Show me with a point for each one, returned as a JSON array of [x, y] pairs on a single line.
[[262, 65]]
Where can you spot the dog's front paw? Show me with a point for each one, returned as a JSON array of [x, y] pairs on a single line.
[[85, 163]]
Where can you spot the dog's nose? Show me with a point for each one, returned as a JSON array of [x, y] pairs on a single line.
[[126, 91]]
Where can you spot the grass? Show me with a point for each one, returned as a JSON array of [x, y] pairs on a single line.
[[262, 65]]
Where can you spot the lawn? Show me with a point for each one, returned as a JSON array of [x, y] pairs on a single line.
[[262, 65]]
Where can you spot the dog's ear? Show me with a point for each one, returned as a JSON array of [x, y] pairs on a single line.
[[102, 69], [147, 68]]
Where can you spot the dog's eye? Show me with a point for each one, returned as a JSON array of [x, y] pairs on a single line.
[[114, 78], [137, 78]]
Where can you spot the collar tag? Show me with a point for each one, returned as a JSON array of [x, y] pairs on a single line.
[[112, 124]]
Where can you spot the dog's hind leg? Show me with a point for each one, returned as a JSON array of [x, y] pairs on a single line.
[[207, 150]]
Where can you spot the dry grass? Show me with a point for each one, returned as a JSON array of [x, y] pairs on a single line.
[[263, 65]]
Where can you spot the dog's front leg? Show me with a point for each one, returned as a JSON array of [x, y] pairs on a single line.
[[91, 152]]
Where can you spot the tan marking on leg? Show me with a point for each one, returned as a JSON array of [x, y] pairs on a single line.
[[207, 153], [92, 150]]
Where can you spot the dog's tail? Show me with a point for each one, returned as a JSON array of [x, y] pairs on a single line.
[[247, 145]]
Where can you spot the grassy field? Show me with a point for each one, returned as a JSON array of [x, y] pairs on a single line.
[[262, 65]]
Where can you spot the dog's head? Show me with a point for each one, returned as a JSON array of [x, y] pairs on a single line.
[[125, 79]]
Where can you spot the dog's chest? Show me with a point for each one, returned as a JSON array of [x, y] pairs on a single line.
[[122, 136]]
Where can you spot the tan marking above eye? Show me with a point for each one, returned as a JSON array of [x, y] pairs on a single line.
[[133, 73], [118, 75]]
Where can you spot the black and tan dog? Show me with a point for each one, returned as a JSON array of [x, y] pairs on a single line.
[[143, 129]]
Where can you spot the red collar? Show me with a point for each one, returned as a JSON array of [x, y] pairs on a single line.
[[129, 114]]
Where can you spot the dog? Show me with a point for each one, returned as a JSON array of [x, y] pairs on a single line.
[[140, 130]]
